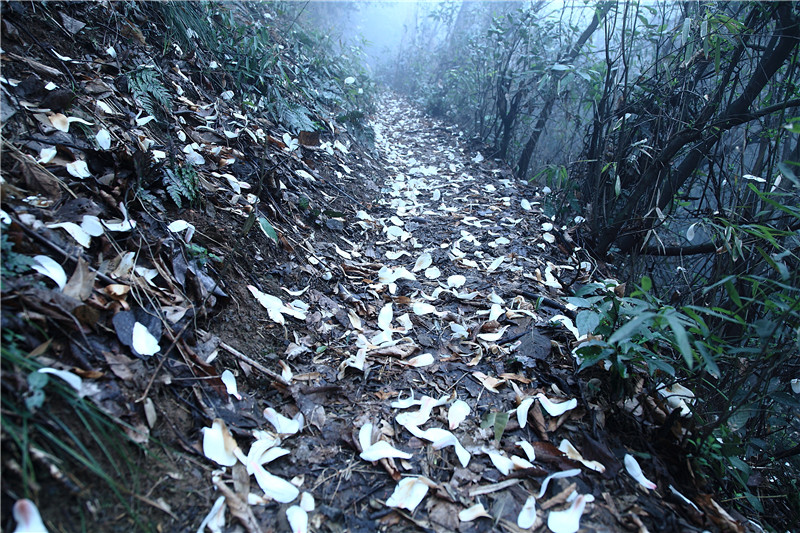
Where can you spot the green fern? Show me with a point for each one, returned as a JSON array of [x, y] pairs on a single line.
[[148, 91], [148, 198], [182, 183]]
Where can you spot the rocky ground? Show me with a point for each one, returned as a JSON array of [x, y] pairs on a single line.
[[364, 337]]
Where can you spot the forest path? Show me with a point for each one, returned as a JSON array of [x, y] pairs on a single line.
[[440, 295]]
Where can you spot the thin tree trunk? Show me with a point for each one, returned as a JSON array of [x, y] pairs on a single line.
[[668, 181], [552, 94]]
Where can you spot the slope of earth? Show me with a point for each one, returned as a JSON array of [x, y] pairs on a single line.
[[364, 341]]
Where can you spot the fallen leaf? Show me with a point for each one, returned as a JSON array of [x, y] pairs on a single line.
[[81, 283]]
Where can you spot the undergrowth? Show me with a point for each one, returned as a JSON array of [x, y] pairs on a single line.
[[50, 432], [733, 355]]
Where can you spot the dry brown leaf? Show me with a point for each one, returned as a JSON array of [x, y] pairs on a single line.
[[488, 382], [81, 282]]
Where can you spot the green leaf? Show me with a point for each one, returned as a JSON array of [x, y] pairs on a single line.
[[630, 328], [500, 422], [267, 228], [754, 501], [37, 380], [587, 321], [733, 293], [646, 283], [487, 420], [787, 171], [35, 400], [681, 339]]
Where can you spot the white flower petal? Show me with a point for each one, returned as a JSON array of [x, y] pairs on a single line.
[[143, 341], [298, 519], [79, 169], [229, 380], [282, 424], [493, 337], [103, 139], [365, 436], [422, 308], [49, 267], [433, 272], [501, 462], [522, 412], [409, 492], [27, 517], [556, 409], [419, 361], [528, 449], [46, 155], [567, 447], [75, 231], [383, 450], [635, 471], [423, 262], [527, 516], [262, 451], [92, 226], [471, 513], [455, 281], [59, 122], [72, 380], [385, 317], [457, 413], [219, 445], [274, 487], [272, 304], [558, 475], [307, 502], [568, 521]]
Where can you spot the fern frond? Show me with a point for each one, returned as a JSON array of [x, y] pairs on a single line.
[[148, 90], [182, 183]]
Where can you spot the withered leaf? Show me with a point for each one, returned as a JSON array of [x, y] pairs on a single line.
[[81, 282]]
